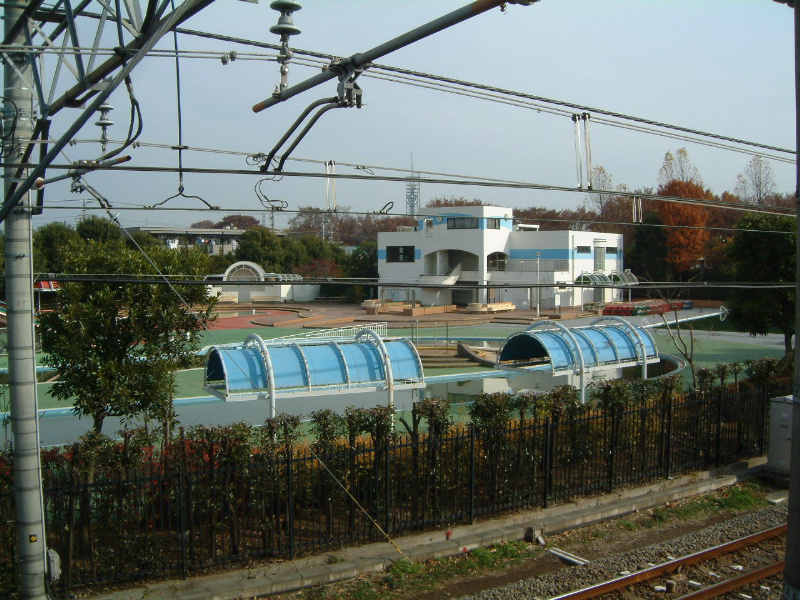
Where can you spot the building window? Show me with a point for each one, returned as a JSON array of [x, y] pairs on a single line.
[[462, 223], [399, 253], [599, 258], [583, 249], [492, 223], [611, 250], [496, 261]]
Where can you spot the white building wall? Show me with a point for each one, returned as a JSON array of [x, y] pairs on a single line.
[[442, 254]]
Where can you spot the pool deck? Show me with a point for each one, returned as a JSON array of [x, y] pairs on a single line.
[[711, 347]]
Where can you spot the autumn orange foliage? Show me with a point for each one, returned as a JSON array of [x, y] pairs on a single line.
[[685, 247]]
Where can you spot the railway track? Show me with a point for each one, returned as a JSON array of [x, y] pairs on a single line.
[[750, 567]]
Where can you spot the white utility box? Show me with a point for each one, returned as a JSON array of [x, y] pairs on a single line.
[[780, 435]]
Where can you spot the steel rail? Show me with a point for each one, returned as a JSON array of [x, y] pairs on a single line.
[[669, 567], [730, 585]]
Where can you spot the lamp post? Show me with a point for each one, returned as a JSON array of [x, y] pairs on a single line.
[[538, 289]]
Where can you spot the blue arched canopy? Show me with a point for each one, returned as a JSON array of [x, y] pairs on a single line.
[[563, 350], [609, 342], [259, 369]]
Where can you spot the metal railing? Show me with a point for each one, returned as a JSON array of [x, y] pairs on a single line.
[[349, 332]]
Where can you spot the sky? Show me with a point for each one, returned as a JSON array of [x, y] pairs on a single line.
[[721, 66]]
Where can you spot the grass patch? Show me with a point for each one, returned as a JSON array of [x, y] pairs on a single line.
[[406, 579], [736, 498]]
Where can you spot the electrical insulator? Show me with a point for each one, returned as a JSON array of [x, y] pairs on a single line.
[[285, 26], [104, 122]]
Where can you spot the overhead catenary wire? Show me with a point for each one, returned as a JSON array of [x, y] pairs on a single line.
[[179, 111], [360, 166], [572, 106], [149, 279], [481, 91], [120, 207], [430, 180]]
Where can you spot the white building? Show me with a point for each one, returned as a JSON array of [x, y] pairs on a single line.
[[482, 246], [213, 241], [256, 285]]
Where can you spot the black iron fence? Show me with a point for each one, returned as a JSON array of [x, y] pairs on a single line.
[[186, 511]]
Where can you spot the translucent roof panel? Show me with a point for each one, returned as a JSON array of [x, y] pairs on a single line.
[[241, 368], [623, 343], [595, 346], [328, 365], [405, 360], [593, 278], [364, 362], [255, 369], [288, 367], [624, 277], [544, 346]]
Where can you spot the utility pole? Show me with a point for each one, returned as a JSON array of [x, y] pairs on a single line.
[[17, 117], [791, 574]]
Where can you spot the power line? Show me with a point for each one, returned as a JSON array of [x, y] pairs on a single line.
[[430, 180], [173, 279], [519, 103], [573, 106], [466, 88], [117, 207]]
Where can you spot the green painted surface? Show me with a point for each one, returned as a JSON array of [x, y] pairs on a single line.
[[709, 351]]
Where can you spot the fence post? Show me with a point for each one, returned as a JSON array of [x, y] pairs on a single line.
[[668, 440], [184, 532], [718, 437], [612, 445], [548, 461], [472, 475], [708, 459], [387, 525], [763, 405], [290, 502]]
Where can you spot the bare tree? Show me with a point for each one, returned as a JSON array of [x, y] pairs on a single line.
[[683, 340], [440, 201], [757, 184], [602, 181], [678, 167]]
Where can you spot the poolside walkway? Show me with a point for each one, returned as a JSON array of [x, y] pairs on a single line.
[[330, 315]]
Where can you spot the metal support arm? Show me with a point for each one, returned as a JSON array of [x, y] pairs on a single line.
[[305, 130], [358, 61], [294, 127]]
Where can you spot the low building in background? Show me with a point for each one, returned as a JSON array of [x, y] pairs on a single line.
[[256, 285], [213, 241], [476, 255]]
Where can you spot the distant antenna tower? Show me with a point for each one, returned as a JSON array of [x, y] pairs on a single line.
[[330, 195], [412, 191]]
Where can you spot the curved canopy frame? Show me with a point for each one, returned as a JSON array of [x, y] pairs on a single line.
[[259, 369], [625, 277], [592, 279], [608, 342], [244, 271]]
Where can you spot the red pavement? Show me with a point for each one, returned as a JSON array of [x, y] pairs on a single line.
[[245, 322]]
